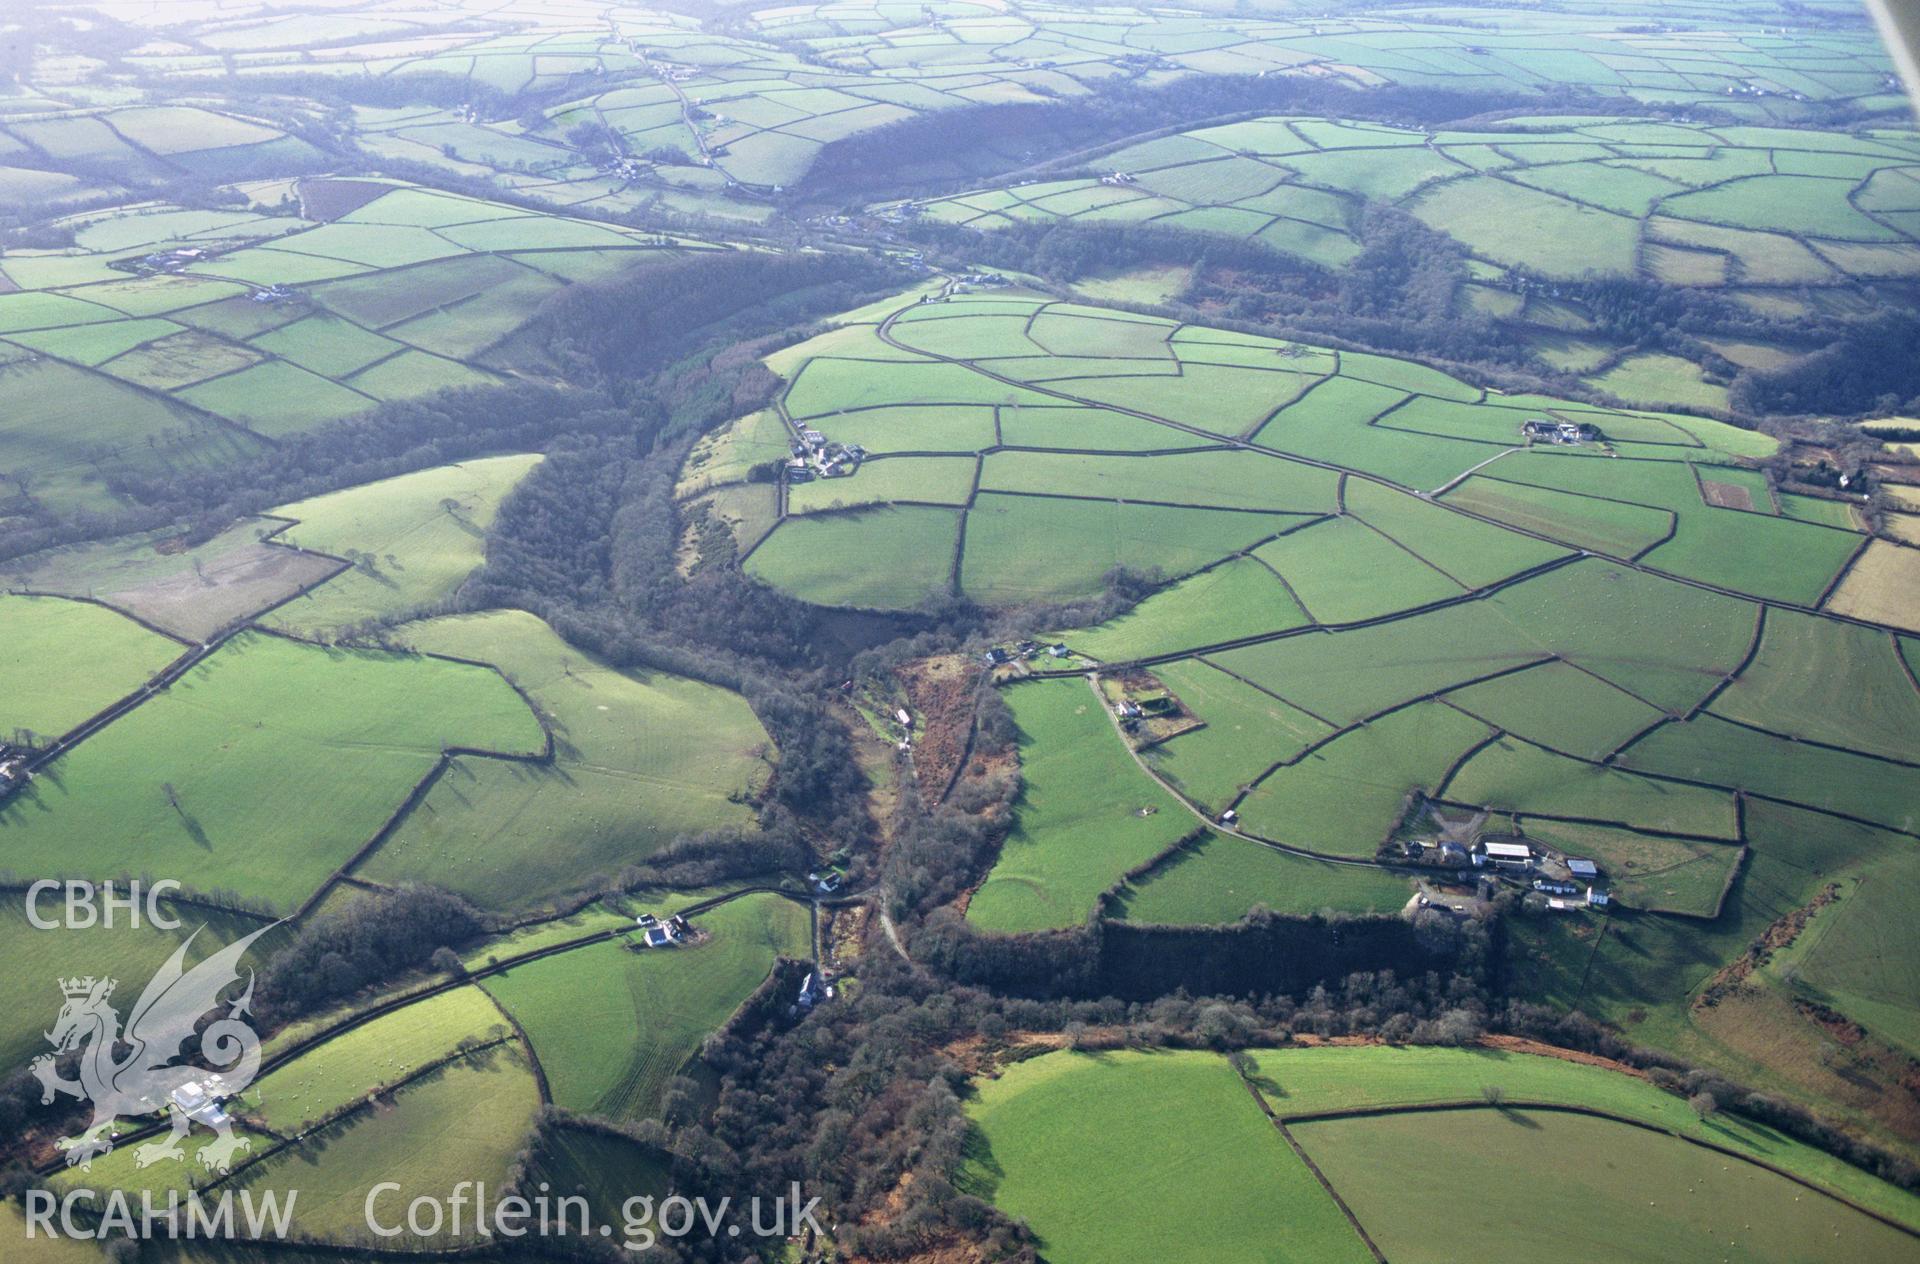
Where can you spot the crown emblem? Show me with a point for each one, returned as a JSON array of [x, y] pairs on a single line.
[[77, 988]]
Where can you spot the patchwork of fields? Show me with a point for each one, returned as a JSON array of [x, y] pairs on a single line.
[[711, 120], [1783, 221], [1386, 615], [1345, 1153], [170, 339], [1279, 627]]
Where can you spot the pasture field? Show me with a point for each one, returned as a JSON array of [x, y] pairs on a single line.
[[176, 337], [219, 776], [1602, 526], [1085, 815], [60, 417], [62, 661], [639, 758], [1241, 597], [1786, 688], [1021, 550], [1244, 732], [462, 1122], [1223, 878], [1344, 571], [30, 994], [653, 1007], [1345, 797], [1319, 1081], [412, 542], [1853, 958], [936, 480], [1709, 749], [1560, 707], [1686, 1203], [606, 1168], [1515, 776], [1105, 1155], [372, 1057], [890, 558]]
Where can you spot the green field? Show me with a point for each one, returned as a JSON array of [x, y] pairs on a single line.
[[1245, 732], [1401, 1174], [885, 559], [1108, 1156], [218, 778], [1085, 815], [1240, 598], [1345, 797], [462, 1122], [48, 687], [413, 540], [639, 758], [651, 1008], [362, 1062], [30, 995], [1222, 878]]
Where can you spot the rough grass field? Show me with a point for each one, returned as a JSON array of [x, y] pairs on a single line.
[[412, 540], [61, 661], [223, 775], [653, 1007], [193, 590], [1112, 1155], [1639, 1192], [1085, 815], [1884, 586], [640, 757]]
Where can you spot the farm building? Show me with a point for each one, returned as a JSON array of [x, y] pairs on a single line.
[[1517, 855], [1552, 430], [201, 1102], [1598, 898], [1554, 886], [1585, 869]]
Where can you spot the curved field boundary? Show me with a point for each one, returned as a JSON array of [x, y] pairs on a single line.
[[1596, 1112]]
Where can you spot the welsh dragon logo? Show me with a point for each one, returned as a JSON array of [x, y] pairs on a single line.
[[148, 1078]]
